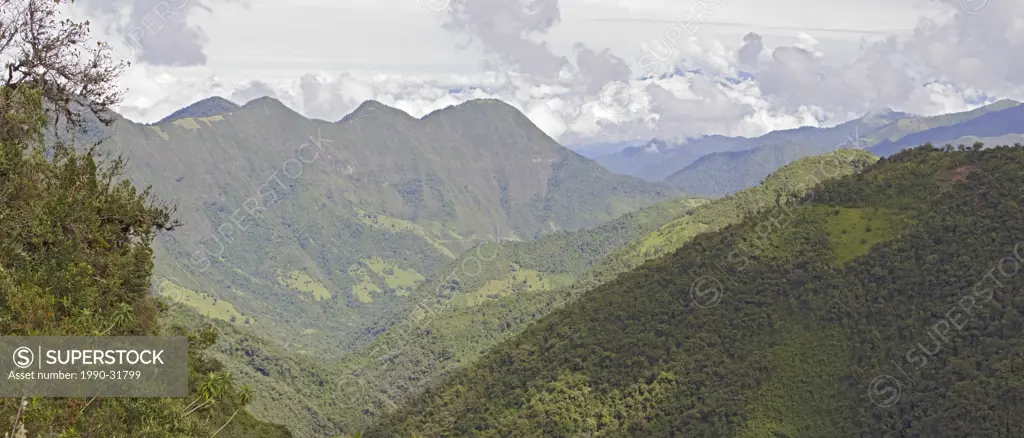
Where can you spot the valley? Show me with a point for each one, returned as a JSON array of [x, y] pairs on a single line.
[[750, 240]]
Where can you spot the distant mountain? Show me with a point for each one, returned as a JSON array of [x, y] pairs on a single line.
[[1003, 118], [722, 173], [727, 172], [823, 317], [314, 242], [910, 125], [659, 159], [598, 150], [209, 107]]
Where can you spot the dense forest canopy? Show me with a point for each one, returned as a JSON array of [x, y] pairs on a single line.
[[884, 305]]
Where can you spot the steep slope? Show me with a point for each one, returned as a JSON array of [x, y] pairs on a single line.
[[311, 232], [884, 305], [291, 388], [489, 295], [658, 160], [318, 400]]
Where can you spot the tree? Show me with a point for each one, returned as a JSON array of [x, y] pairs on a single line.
[[76, 235], [122, 316], [56, 58], [244, 397], [213, 387]]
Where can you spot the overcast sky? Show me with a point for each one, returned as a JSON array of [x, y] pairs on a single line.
[[576, 67]]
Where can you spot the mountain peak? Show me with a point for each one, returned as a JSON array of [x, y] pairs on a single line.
[[481, 106], [269, 106], [373, 108], [208, 107]]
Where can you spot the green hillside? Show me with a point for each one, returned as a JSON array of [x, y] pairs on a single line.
[[490, 295], [883, 305], [481, 298], [789, 183], [316, 399], [301, 228]]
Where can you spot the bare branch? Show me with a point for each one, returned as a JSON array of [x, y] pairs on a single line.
[[52, 55]]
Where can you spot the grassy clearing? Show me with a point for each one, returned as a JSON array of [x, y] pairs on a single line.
[[395, 277], [302, 282], [206, 305], [160, 132], [853, 231], [365, 289], [187, 123], [396, 225], [522, 280], [209, 120]]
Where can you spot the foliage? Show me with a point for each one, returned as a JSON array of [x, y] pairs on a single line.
[[75, 259], [795, 342], [56, 59], [313, 399], [725, 173], [489, 296]]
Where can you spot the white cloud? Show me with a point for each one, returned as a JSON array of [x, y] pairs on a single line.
[[546, 58]]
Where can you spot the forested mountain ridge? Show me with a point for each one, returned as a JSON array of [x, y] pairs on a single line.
[[315, 399], [491, 294], [883, 305], [338, 222], [209, 107]]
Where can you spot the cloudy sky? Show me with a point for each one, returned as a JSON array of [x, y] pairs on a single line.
[[585, 71]]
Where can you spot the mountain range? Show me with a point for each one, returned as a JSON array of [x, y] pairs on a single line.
[[357, 270], [462, 274], [718, 165], [880, 304], [486, 297], [313, 231]]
